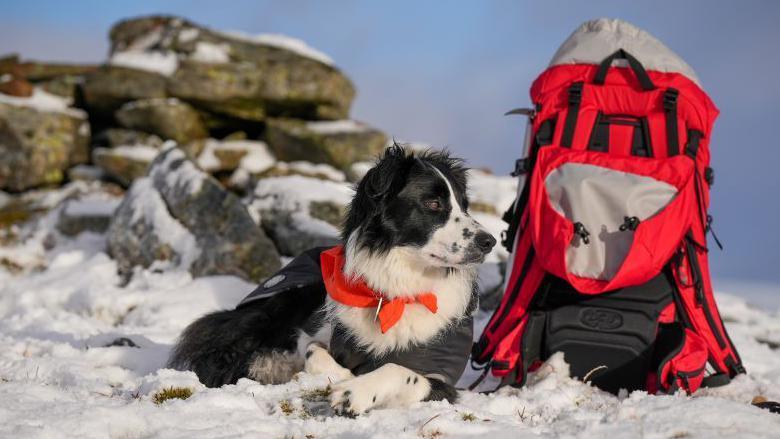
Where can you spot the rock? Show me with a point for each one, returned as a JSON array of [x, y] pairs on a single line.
[[66, 86], [88, 213], [113, 137], [168, 118], [16, 87], [37, 146], [246, 78], [298, 212], [125, 163], [337, 143], [357, 170], [37, 71], [106, 89], [182, 215]]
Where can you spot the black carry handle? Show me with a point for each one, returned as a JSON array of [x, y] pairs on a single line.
[[636, 66]]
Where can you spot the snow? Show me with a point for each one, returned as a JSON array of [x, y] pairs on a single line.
[[312, 169], [96, 204], [337, 126], [258, 158], [283, 42], [139, 152], [211, 53], [42, 100], [164, 63], [60, 376], [293, 192], [497, 191]]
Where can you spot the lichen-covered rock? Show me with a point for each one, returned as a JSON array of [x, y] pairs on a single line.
[[298, 212], [242, 77], [338, 143], [38, 145], [106, 89], [182, 215], [168, 118], [125, 163]]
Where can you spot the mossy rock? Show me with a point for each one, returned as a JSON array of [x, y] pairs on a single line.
[[168, 118], [106, 89], [124, 164], [38, 146], [338, 143]]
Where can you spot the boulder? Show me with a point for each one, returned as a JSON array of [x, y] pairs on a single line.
[[106, 89], [125, 163], [337, 143], [298, 212], [181, 215], [168, 118], [39, 140], [238, 76], [88, 213]]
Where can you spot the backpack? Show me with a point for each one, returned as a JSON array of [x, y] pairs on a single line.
[[607, 236]]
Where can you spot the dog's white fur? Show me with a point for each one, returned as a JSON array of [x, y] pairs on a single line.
[[402, 271]]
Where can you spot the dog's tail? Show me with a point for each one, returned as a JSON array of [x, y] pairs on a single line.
[[220, 347]]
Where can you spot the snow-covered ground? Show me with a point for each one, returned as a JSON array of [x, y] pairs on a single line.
[[82, 356]]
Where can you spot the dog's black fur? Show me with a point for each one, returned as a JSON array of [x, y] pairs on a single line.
[[399, 202]]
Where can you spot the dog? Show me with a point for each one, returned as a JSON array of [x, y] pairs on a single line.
[[387, 315]]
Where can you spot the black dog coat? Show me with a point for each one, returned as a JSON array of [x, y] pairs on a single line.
[[444, 357]]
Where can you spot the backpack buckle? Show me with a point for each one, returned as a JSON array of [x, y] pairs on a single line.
[[670, 98], [575, 93]]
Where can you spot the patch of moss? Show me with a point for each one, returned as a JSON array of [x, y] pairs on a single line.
[[286, 406], [171, 393], [468, 417]]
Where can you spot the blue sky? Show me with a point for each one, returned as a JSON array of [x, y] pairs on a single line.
[[443, 72]]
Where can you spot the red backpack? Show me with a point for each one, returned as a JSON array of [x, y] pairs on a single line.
[[608, 233]]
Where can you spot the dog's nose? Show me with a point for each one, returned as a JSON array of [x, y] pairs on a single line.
[[485, 241]]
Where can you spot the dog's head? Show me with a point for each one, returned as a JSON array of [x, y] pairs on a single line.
[[417, 201]]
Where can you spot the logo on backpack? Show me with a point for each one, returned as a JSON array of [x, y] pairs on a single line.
[[601, 319]]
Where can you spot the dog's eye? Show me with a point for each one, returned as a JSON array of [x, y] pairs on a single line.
[[433, 204]]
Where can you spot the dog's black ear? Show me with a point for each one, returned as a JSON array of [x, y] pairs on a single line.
[[380, 180], [385, 178]]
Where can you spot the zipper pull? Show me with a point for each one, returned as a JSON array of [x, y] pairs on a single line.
[[583, 233]]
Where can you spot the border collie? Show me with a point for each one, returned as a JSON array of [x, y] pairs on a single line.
[[386, 315]]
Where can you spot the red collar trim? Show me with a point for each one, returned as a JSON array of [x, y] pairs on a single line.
[[356, 293]]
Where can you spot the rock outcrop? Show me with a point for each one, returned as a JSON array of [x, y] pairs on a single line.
[[181, 215]]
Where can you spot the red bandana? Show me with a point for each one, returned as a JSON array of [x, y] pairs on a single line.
[[357, 293]]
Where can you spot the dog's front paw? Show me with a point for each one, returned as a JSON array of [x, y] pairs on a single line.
[[354, 396], [319, 362]]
